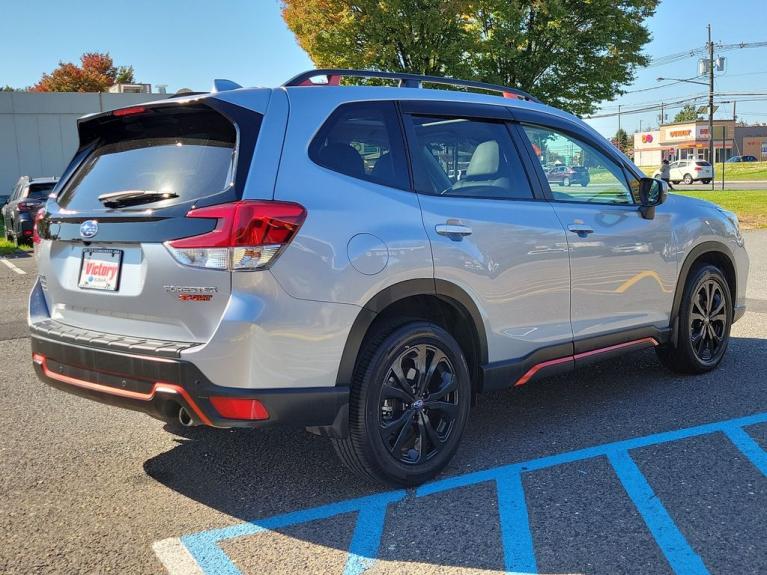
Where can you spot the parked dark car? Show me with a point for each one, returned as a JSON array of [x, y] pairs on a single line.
[[567, 176], [736, 159], [27, 197]]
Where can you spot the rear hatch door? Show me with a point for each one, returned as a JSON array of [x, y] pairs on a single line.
[[102, 256]]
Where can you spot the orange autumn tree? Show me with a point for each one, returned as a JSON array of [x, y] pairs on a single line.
[[96, 73]]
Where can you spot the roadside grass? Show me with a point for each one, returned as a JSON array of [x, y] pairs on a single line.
[[749, 205], [742, 171], [8, 248]]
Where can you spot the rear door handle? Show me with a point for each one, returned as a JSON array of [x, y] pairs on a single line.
[[580, 229], [453, 230]]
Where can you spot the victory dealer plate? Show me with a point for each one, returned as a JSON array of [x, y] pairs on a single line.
[[100, 269]]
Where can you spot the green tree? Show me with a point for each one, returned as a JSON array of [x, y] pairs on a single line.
[[622, 141], [8, 88], [422, 36], [569, 53], [124, 75], [688, 113]]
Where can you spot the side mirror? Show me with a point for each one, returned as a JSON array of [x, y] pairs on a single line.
[[652, 193]]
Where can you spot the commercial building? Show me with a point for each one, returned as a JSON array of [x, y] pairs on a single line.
[[752, 141], [689, 140], [38, 131]]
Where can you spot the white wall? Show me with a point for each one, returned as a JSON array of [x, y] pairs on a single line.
[[38, 131]]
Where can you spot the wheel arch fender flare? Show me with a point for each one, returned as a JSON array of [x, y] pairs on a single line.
[[441, 289], [693, 256]]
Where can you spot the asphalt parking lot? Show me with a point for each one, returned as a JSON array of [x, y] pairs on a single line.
[[624, 468]]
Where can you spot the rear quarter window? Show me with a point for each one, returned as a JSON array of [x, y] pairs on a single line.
[[363, 140]]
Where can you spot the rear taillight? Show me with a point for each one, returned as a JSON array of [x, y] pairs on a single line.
[[38, 218], [249, 235], [697, 168]]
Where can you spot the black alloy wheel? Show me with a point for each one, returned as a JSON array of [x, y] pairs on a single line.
[[409, 403], [704, 321], [708, 320], [418, 404]]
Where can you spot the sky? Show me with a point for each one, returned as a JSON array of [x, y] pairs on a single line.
[[187, 43]]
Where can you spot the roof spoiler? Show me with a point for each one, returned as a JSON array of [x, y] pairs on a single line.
[[222, 85], [333, 77]]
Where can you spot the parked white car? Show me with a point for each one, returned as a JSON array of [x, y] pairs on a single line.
[[689, 171]]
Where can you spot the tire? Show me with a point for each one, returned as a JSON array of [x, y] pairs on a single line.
[[675, 182], [687, 179], [377, 402], [584, 184], [706, 181], [706, 295], [566, 182]]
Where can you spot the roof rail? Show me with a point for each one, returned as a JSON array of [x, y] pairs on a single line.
[[334, 76]]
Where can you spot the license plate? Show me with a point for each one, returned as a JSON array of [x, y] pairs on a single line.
[[100, 269]]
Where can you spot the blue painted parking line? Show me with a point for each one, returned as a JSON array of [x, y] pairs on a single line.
[[516, 537], [681, 557], [371, 512], [517, 541]]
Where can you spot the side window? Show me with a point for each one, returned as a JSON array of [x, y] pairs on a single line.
[[364, 141], [464, 157], [587, 175]]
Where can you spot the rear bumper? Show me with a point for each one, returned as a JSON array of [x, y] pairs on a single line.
[[159, 385], [24, 224]]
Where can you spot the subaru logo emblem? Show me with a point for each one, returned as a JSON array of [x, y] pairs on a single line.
[[89, 228]]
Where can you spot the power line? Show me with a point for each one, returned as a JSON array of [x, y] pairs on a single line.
[[701, 50], [752, 97]]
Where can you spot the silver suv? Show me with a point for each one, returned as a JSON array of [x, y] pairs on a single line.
[[361, 261]]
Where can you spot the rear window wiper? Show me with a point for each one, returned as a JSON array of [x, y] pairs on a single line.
[[134, 197]]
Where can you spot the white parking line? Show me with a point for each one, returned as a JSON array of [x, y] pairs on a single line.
[[176, 558], [18, 270]]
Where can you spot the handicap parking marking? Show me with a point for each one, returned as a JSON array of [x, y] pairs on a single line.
[[12, 266], [208, 557], [176, 558]]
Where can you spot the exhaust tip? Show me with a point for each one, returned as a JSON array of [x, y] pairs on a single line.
[[184, 417]]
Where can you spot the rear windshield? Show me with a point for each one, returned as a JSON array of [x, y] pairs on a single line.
[[39, 191], [157, 158], [702, 164]]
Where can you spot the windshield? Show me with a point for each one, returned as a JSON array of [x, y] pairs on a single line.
[[165, 157]]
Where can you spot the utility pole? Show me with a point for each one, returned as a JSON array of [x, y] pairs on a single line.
[[711, 157], [619, 117]]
